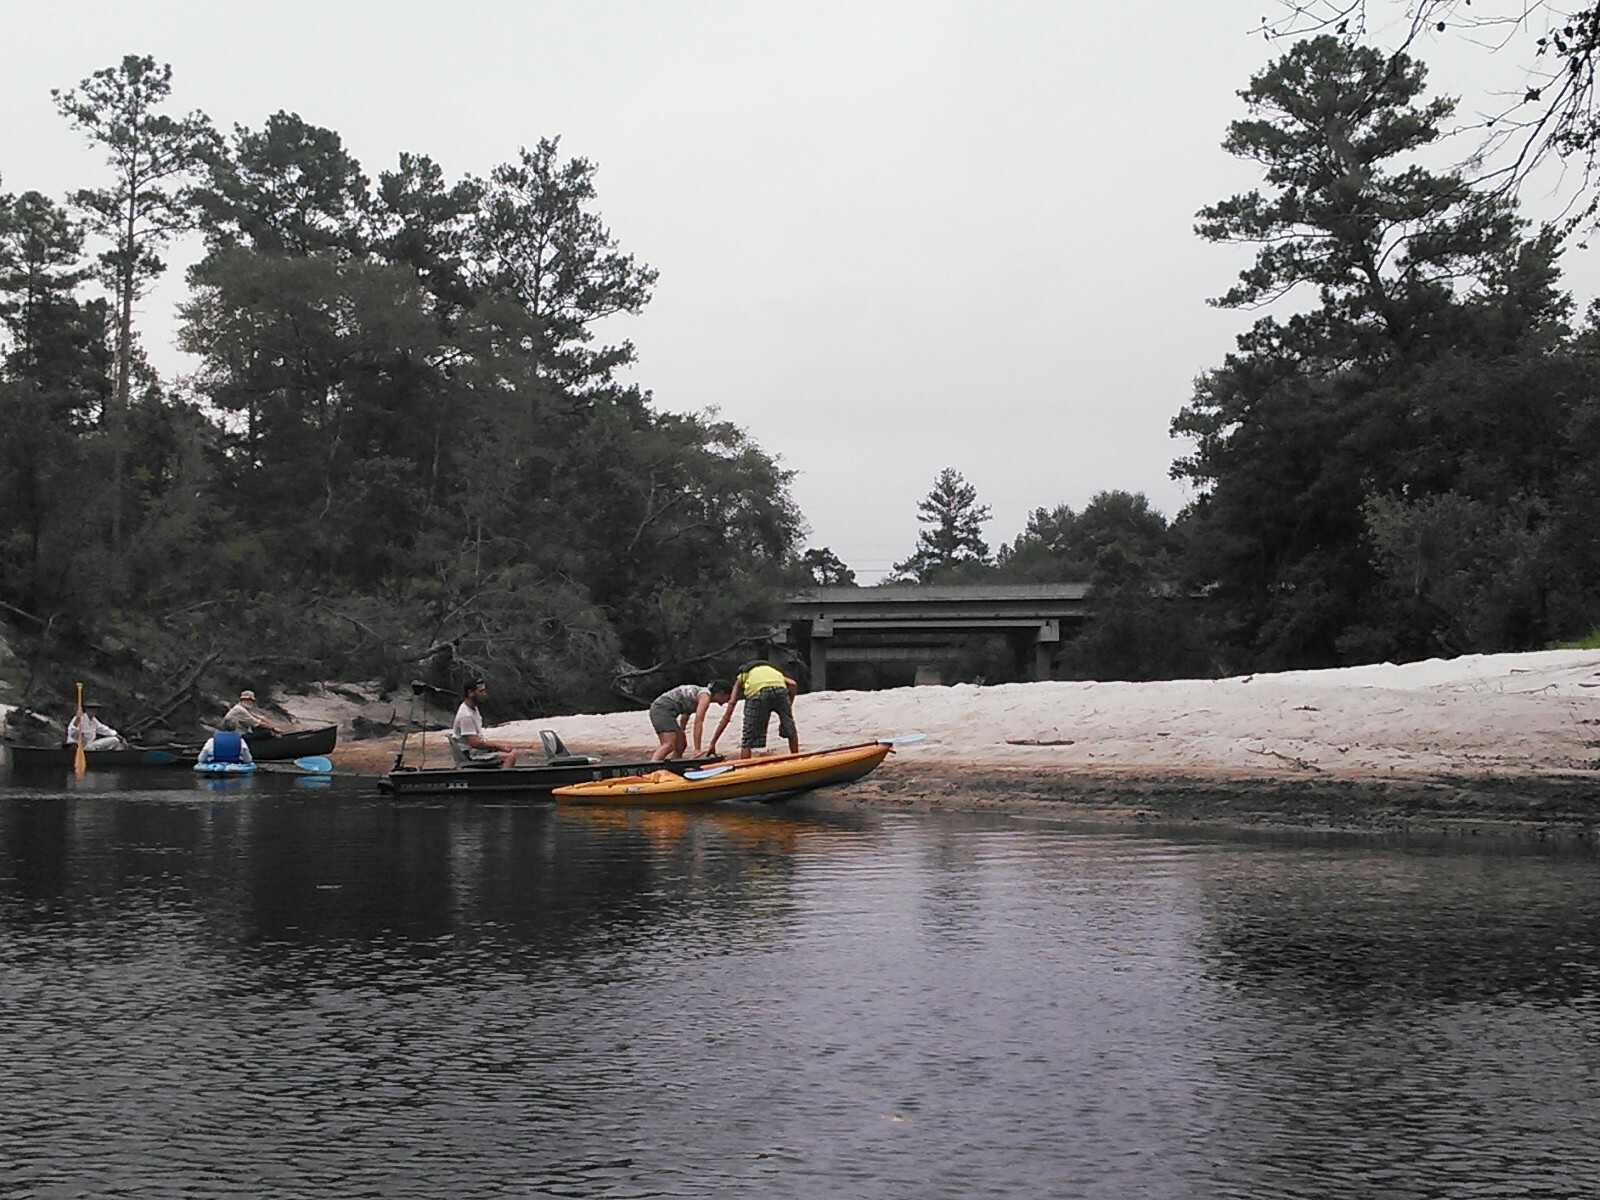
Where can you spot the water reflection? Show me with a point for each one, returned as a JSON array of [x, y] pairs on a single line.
[[1409, 1017], [1395, 932], [280, 990]]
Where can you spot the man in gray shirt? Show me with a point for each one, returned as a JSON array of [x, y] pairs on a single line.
[[670, 713]]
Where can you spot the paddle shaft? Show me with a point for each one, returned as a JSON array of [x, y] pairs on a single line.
[[80, 757]]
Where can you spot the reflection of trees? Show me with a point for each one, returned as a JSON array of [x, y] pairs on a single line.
[[523, 877], [326, 874], [1397, 1023], [1358, 932]]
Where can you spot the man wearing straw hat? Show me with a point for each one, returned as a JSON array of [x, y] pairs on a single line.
[[96, 735], [243, 718]]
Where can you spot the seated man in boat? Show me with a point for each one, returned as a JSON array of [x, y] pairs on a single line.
[[226, 746], [467, 744], [670, 713], [243, 717], [765, 690], [95, 734]]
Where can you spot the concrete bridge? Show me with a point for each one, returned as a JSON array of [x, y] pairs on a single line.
[[922, 624]]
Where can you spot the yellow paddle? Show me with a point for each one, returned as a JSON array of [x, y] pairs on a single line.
[[80, 760]]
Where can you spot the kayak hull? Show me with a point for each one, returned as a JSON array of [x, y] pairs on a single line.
[[768, 778]]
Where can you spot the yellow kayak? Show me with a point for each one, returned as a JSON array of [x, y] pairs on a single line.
[[745, 779]]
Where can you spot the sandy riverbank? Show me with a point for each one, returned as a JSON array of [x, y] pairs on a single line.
[[1483, 742]]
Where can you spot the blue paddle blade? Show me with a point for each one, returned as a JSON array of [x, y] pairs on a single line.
[[315, 763], [159, 758], [903, 738], [707, 772]]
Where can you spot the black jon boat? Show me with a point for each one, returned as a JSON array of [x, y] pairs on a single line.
[[559, 768], [264, 747]]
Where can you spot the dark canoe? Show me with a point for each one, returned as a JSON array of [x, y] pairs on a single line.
[[59, 758], [285, 746], [298, 743], [533, 781]]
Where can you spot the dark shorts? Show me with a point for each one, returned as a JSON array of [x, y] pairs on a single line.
[[663, 719], [758, 707]]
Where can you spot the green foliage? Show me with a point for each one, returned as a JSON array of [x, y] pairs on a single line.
[[1117, 536], [153, 157], [1142, 626], [1047, 550], [403, 452], [536, 242], [1432, 367], [287, 189], [54, 383], [827, 569], [952, 550]]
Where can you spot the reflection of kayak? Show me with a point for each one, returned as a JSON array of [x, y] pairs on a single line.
[[225, 768], [747, 779]]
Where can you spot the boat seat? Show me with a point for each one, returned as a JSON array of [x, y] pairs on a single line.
[[461, 754], [557, 754]]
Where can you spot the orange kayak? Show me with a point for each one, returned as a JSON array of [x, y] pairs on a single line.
[[745, 779]]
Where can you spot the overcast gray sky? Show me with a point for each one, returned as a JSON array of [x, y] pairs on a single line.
[[892, 235]]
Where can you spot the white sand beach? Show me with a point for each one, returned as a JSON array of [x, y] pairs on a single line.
[[1512, 714], [1483, 740]]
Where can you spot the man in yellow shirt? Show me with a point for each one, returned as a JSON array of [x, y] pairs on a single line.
[[765, 690]]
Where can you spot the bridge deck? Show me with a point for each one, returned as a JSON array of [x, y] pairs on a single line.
[[911, 621]]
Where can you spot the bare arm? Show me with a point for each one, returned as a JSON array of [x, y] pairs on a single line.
[[727, 714], [700, 719], [483, 743]]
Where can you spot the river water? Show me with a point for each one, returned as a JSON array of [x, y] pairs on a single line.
[[266, 988]]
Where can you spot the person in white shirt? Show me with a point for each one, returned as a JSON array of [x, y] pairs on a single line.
[[466, 734], [96, 735], [226, 746], [243, 718]]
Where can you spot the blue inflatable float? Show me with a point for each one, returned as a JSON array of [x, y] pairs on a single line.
[[225, 768], [225, 754]]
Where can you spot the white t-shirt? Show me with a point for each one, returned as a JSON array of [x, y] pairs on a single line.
[[469, 722]]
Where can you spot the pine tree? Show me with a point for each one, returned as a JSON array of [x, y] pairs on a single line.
[[953, 546]]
